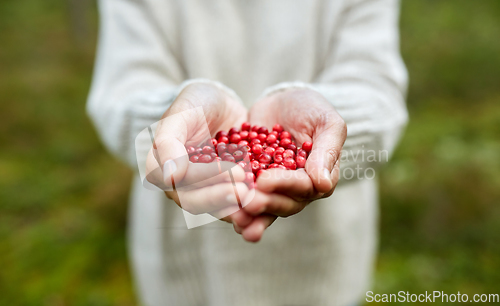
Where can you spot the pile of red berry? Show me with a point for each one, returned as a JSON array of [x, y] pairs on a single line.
[[253, 148]]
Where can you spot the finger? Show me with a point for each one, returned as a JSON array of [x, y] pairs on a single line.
[[237, 228], [234, 216], [335, 179], [212, 198], [225, 214], [254, 232], [328, 139], [154, 173], [171, 135], [276, 204], [295, 184], [241, 218]]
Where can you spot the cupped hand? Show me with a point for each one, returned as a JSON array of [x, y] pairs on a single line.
[[308, 116], [199, 111]]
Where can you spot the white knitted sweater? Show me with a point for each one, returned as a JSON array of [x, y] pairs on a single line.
[[345, 49]]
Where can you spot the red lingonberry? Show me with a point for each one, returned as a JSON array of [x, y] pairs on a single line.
[[232, 147], [252, 135], [265, 158], [238, 155], [254, 148], [278, 128], [224, 154], [272, 166], [259, 172], [292, 147], [228, 158], [254, 142], [255, 165], [301, 152], [278, 158], [290, 163], [269, 150], [285, 134], [243, 143], [288, 154], [262, 137], [221, 134], [190, 150], [223, 139], [284, 142], [244, 135], [301, 161], [263, 130], [245, 126], [207, 150], [205, 158], [235, 138], [257, 149], [271, 139], [245, 149], [233, 130], [307, 146], [194, 159], [221, 148]]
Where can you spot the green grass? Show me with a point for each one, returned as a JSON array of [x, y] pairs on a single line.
[[63, 198], [440, 218]]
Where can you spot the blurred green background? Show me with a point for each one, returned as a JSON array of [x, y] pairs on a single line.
[[63, 198]]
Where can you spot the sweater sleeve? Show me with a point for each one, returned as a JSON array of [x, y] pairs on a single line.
[[137, 73], [364, 77]]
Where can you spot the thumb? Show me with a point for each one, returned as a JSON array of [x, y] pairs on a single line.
[[171, 136], [325, 153]]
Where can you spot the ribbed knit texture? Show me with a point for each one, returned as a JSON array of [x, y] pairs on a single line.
[[347, 50]]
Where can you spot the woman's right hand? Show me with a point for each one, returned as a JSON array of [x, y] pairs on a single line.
[[199, 188]]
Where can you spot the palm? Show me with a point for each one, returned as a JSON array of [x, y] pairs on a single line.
[[300, 119], [308, 116]]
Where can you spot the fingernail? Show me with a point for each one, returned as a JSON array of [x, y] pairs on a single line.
[[169, 167]]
